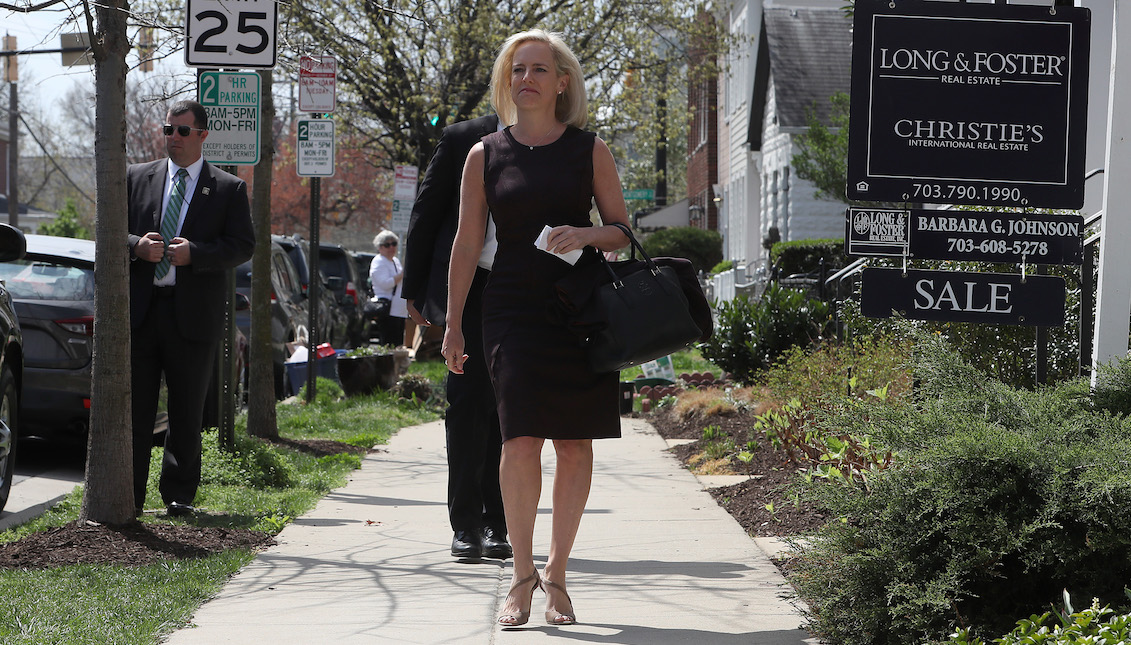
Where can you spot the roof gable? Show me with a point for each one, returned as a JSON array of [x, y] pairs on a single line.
[[810, 56]]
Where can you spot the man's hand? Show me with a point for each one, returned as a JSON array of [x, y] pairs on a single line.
[[416, 316], [179, 252], [150, 248]]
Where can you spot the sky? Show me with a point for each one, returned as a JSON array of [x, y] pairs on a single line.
[[43, 75]]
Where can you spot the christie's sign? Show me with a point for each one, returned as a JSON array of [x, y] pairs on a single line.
[[964, 103]]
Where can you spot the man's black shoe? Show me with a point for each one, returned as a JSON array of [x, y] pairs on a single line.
[[494, 545], [177, 509], [465, 544]]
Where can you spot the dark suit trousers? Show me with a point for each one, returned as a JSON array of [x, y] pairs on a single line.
[[472, 424], [158, 347]]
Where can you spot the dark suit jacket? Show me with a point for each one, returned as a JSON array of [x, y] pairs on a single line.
[[218, 227], [435, 217]]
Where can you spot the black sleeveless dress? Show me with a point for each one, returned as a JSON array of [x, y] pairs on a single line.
[[543, 383]]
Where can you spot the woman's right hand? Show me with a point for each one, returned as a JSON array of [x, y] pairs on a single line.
[[452, 350]]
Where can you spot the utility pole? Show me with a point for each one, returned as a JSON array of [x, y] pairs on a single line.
[[12, 75]]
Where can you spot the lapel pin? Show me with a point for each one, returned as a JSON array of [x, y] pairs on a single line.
[[206, 190]]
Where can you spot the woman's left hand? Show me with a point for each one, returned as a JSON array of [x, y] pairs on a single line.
[[563, 239]]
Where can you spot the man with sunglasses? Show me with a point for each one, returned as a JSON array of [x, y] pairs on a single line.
[[188, 222]]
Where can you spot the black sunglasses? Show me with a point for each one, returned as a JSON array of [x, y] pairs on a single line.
[[389, 244], [182, 130]]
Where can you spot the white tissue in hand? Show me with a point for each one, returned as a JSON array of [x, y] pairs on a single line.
[[568, 256]]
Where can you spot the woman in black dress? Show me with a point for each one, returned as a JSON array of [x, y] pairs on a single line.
[[542, 171]]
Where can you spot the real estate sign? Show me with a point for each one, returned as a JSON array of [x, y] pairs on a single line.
[[964, 103]]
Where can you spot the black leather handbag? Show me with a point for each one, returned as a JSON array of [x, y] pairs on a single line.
[[643, 312], [377, 309]]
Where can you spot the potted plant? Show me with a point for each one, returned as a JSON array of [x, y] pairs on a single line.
[[366, 369]]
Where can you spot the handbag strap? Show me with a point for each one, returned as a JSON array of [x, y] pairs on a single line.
[[617, 283]]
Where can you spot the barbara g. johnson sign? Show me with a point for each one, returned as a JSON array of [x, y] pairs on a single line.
[[962, 103]]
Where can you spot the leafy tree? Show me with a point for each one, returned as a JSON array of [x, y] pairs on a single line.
[[66, 224], [355, 198], [823, 159], [409, 68]]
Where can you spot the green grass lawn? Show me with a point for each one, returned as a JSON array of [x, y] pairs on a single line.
[[260, 486]]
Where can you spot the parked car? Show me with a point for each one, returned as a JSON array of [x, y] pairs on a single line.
[[362, 261], [12, 247], [289, 310], [336, 262], [52, 288], [331, 317]]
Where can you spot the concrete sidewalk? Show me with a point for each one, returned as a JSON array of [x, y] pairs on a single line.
[[656, 562]]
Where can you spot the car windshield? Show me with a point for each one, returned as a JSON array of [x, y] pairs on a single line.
[[38, 279]]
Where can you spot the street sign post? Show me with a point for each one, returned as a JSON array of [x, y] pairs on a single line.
[[997, 298], [232, 100], [231, 33], [965, 235], [968, 103], [317, 84], [404, 197], [315, 148]]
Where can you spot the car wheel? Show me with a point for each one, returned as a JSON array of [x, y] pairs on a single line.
[[8, 424]]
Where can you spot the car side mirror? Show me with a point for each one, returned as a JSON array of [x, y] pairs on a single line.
[[243, 303], [13, 245]]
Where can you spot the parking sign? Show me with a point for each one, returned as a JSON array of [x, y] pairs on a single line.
[[315, 148]]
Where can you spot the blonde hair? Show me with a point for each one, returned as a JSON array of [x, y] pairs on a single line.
[[572, 107]]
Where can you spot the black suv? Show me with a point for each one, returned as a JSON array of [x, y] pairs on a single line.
[[332, 318], [337, 262], [12, 247], [289, 317]]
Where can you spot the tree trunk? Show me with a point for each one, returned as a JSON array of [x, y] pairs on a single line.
[[261, 420], [109, 464]]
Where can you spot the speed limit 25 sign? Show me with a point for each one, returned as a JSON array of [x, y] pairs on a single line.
[[231, 33]]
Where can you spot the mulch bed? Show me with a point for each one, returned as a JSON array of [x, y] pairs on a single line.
[[132, 545], [749, 502]]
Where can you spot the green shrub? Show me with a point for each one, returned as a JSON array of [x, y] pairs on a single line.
[[804, 256], [725, 265], [751, 336], [1092, 626], [1113, 386], [703, 248], [855, 366], [996, 500]]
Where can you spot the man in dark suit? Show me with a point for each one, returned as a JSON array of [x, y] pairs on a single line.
[[188, 222], [475, 505]]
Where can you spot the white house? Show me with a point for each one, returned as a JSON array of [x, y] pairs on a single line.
[[796, 54]]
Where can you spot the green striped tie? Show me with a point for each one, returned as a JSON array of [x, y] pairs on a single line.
[[172, 216]]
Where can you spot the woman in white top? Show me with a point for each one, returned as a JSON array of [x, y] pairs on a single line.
[[385, 273]]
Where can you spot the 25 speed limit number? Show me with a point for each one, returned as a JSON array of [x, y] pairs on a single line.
[[231, 33]]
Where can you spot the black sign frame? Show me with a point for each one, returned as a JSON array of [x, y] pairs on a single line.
[[953, 296], [978, 236], [969, 103]]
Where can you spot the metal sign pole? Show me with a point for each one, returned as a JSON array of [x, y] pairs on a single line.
[[314, 294]]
